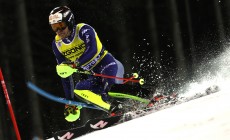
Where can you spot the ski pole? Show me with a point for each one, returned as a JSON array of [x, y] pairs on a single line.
[[135, 75], [9, 106], [65, 71], [140, 81]]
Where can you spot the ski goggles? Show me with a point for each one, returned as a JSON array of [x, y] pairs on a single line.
[[58, 26]]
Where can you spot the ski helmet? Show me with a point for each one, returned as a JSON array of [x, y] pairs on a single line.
[[62, 14]]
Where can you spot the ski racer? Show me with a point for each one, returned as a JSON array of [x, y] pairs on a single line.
[[78, 45]]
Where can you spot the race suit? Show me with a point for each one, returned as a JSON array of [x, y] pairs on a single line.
[[84, 48]]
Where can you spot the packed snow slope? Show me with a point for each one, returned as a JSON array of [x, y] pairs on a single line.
[[205, 118]]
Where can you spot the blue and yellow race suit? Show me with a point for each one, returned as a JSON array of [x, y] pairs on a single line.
[[84, 48]]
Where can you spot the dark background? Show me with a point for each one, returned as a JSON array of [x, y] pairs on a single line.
[[165, 41]]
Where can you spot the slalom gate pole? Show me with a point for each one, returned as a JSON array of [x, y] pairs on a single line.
[[9, 106]]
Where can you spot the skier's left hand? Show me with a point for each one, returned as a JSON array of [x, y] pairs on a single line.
[[71, 113]]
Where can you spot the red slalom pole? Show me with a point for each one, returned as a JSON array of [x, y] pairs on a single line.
[[9, 106]]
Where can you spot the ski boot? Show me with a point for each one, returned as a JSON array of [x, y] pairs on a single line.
[[116, 108], [71, 113]]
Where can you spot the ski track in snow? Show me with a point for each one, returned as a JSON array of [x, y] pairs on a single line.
[[205, 118]]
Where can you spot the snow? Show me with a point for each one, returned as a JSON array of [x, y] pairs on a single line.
[[200, 119]]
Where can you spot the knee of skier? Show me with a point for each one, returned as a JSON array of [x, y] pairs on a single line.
[[120, 72]]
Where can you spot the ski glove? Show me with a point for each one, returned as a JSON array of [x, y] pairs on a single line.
[[71, 113]]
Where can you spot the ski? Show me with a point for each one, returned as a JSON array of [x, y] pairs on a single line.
[[127, 96], [90, 126], [98, 124]]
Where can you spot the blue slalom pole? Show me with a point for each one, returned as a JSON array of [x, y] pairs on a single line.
[[59, 99]]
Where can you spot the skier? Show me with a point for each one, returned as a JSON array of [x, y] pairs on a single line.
[[78, 45]]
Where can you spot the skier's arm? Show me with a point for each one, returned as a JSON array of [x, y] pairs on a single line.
[[67, 83], [88, 35]]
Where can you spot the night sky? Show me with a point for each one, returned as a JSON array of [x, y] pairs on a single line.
[[124, 28]]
